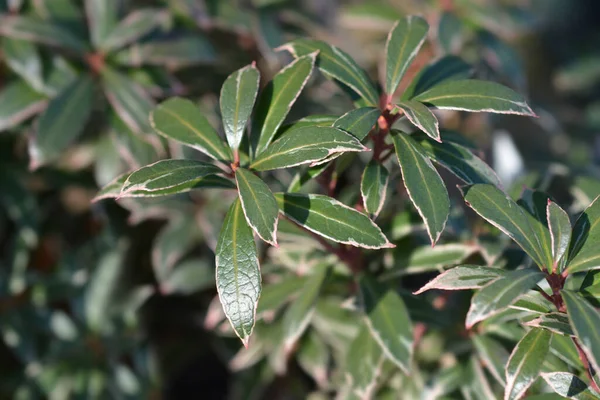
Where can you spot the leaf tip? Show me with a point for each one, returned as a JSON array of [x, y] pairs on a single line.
[[245, 341]]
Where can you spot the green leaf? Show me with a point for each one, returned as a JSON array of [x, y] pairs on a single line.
[[276, 295], [358, 122], [313, 356], [451, 32], [584, 253], [501, 211], [535, 204], [298, 315], [179, 119], [331, 219], [501, 293], [460, 161], [403, 43], [554, 322], [463, 277], [62, 122], [363, 364], [308, 174], [445, 69], [135, 150], [136, 25], [373, 187], [475, 95], [423, 184], [19, 102], [492, 354], [172, 53], [560, 232], [525, 362], [415, 260], [102, 16], [569, 386], [24, 60], [585, 321], [259, 204], [590, 287], [388, 321], [238, 272], [168, 176], [42, 31], [338, 65], [238, 95], [277, 99], [421, 117], [305, 145]]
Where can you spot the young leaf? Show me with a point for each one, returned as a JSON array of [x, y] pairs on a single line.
[[501, 293], [584, 253], [136, 25], [460, 161], [259, 204], [403, 43], [102, 17], [525, 362], [305, 145], [421, 117], [338, 65], [358, 122], [569, 386], [331, 219], [463, 277], [475, 95], [585, 321], [560, 232], [62, 122], [298, 315], [19, 102], [168, 176], [238, 272], [277, 99], [373, 187], [502, 212], [554, 322], [363, 364], [42, 31], [388, 321], [423, 184], [179, 119], [238, 95]]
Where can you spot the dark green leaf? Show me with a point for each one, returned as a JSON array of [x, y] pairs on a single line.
[[584, 253], [445, 69], [305, 145], [24, 60], [135, 150], [62, 122], [388, 321], [298, 315], [423, 183], [358, 122], [460, 161], [331, 219], [554, 322], [238, 272], [525, 362], [238, 95], [502, 212], [277, 99], [172, 53], [569, 386], [308, 174], [363, 364], [19, 102], [259, 204], [426, 258], [168, 176], [501, 293], [450, 32], [560, 232], [373, 187], [463, 277], [421, 117], [403, 43], [42, 31], [102, 16], [492, 354], [585, 321], [314, 358], [338, 65], [136, 25], [535, 203], [475, 95], [181, 120]]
